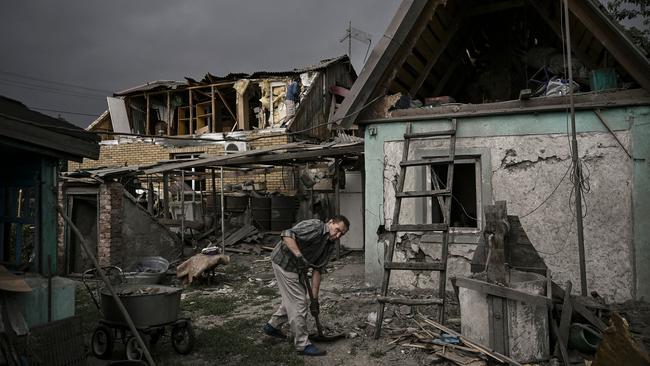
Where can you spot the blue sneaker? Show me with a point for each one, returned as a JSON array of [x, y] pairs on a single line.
[[273, 332], [311, 350]]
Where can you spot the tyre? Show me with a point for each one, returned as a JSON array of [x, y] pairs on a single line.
[[101, 342], [133, 350], [183, 337]]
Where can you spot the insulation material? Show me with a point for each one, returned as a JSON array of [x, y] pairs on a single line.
[[241, 85]]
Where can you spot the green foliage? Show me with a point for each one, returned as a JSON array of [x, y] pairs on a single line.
[[636, 13]]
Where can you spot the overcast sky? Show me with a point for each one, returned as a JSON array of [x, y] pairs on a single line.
[[50, 47]]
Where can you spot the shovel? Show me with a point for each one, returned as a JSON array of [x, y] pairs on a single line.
[[320, 337]]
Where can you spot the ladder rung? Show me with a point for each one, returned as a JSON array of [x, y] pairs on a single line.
[[440, 192], [420, 135], [428, 161], [419, 227], [407, 301], [416, 266]]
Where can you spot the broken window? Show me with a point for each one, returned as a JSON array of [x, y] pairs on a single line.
[[465, 202]]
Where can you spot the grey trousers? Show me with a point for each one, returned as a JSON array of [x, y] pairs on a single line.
[[293, 307]]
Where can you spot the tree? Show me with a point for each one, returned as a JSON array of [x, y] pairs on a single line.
[[637, 14]]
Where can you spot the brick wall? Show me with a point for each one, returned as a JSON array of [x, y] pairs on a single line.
[[111, 206], [141, 152]]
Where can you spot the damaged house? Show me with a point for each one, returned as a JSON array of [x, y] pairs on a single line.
[[491, 74], [158, 170]]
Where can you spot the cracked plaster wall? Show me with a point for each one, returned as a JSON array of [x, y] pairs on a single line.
[[524, 172]]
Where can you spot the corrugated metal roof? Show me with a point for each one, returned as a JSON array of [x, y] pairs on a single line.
[[152, 85], [323, 64]]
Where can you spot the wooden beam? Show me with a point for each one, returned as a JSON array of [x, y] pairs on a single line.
[[565, 321], [501, 291], [437, 52], [613, 39], [227, 106], [213, 127], [243, 110], [191, 127], [557, 30], [495, 8], [170, 115], [148, 124]]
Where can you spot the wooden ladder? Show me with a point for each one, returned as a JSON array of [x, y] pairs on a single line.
[[444, 197]]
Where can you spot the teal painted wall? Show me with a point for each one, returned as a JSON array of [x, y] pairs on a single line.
[[619, 119], [641, 199], [48, 173]]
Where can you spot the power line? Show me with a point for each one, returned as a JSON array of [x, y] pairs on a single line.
[[55, 82], [66, 112], [45, 90], [44, 87]]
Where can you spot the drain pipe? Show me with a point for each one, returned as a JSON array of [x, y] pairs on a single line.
[[118, 301]]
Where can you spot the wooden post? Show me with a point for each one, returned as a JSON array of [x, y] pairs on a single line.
[[243, 111], [495, 231], [150, 195], [167, 214], [215, 224], [191, 131], [148, 131], [213, 127], [337, 200], [169, 115]]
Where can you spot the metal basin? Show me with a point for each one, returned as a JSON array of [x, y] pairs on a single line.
[[147, 271], [148, 305]]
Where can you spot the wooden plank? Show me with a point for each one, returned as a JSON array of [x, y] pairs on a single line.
[[406, 301], [501, 291], [419, 227], [414, 194], [419, 135], [498, 324], [415, 266], [148, 113], [169, 115], [559, 341], [227, 106], [213, 102], [565, 320], [191, 126], [481, 348], [585, 101], [426, 161]]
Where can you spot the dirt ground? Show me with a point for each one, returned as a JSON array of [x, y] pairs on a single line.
[[229, 309]]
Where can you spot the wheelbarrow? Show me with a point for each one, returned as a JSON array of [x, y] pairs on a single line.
[[154, 310]]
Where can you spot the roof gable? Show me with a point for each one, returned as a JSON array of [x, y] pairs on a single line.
[[479, 51]]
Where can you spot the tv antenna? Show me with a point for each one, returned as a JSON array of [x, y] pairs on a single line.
[[358, 35]]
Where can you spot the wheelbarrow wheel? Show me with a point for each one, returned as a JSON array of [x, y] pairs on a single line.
[[133, 350], [102, 342], [183, 337]]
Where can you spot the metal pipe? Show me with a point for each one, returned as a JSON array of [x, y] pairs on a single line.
[[577, 174], [223, 220], [182, 209], [118, 301], [214, 202]]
